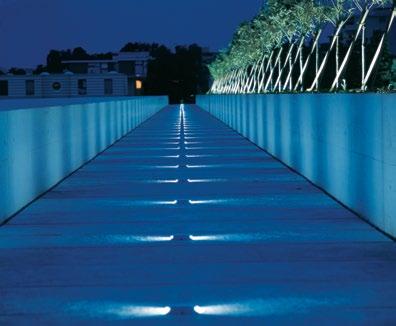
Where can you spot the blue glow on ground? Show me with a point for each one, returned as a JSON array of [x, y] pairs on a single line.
[[260, 307], [132, 203], [239, 237], [125, 239], [117, 311], [246, 243], [205, 180]]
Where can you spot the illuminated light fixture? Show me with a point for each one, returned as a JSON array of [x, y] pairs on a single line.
[[131, 203], [122, 239], [140, 311], [198, 202], [138, 84], [191, 148], [192, 142], [199, 155], [200, 310], [171, 148], [155, 238], [170, 202], [231, 237], [203, 238], [222, 309], [204, 166], [152, 202], [167, 181], [167, 166], [205, 180], [117, 310], [211, 201], [170, 156]]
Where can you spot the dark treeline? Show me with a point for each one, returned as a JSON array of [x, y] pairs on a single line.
[[180, 73]]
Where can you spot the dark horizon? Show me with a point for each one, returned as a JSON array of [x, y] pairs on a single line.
[[28, 31]]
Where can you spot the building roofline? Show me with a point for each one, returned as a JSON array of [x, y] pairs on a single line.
[[112, 73], [89, 61]]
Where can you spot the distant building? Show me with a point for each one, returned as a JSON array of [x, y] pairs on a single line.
[[64, 85], [122, 75], [132, 64]]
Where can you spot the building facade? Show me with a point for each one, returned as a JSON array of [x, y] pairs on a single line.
[[132, 64], [122, 75], [64, 85]]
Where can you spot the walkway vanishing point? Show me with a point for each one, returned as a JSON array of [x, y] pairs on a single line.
[[185, 222]]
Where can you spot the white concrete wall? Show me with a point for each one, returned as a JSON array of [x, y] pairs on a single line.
[[42, 144], [344, 143]]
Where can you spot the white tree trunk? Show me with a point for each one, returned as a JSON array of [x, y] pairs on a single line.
[[230, 81], [363, 50], [252, 77], [289, 81], [317, 65], [260, 87], [307, 60], [240, 81], [278, 83], [260, 74], [350, 48], [319, 72], [379, 48], [269, 80], [259, 71], [337, 58], [301, 59], [244, 80], [235, 86]]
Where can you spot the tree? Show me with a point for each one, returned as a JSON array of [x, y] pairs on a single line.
[[54, 62], [17, 71], [364, 6], [379, 48], [265, 52], [180, 74], [383, 76], [80, 54]]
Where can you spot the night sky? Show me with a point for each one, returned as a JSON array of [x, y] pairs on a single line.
[[30, 28]]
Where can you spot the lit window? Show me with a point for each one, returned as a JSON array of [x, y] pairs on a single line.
[[139, 84]]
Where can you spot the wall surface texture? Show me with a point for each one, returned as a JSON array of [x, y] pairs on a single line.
[[42, 144], [344, 143]]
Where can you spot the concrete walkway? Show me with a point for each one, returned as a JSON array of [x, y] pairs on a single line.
[[184, 222]]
